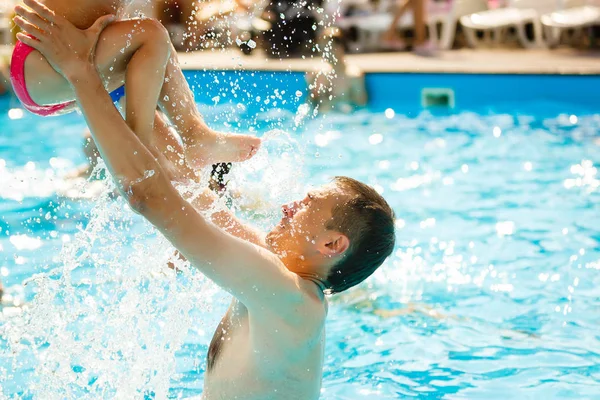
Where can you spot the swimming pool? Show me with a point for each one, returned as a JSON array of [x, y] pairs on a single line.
[[492, 291]]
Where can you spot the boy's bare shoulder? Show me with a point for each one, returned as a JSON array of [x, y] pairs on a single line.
[[314, 301]]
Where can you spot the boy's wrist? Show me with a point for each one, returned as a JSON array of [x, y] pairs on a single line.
[[81, 73]]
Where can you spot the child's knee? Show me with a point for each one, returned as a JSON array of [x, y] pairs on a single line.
[[155, 32], [155, 38]]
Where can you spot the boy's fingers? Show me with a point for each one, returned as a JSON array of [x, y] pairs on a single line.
[[28, 27], [32, 17], [41, 9], [101, 22], [28, 40]]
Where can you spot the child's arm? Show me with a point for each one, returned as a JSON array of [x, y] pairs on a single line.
[[226, 220]]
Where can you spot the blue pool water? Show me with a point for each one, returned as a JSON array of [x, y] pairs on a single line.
[[492, 291]]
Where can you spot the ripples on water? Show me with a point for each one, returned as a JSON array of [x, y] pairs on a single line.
[[491, 292]]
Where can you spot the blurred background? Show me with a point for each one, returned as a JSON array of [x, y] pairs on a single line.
[[293, 28]]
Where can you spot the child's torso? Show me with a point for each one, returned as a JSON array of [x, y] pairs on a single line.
[[83, 13]]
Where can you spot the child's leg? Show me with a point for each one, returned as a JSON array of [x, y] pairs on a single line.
[[203, 146], [144, 71], [172, 160]]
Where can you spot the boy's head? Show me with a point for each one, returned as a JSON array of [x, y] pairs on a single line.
[[340, 233]]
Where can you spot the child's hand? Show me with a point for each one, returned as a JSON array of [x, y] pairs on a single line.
[[205, 201], [69, 50]]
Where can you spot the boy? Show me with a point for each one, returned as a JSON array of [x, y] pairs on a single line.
[[271, 342]]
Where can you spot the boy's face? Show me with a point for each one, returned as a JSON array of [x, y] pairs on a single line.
[[302, 230]]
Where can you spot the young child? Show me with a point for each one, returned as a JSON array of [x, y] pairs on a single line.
[[135, 52]]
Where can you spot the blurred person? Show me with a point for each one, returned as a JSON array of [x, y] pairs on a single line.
[[179, 18], [81, 183], [391, 39], [5, 86], [90, 151], [271, 342], [190, 21], [293, 26], [137, 52], [338, 85]]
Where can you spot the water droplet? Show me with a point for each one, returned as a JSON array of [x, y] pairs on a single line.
[[376, 138], [15, 113]]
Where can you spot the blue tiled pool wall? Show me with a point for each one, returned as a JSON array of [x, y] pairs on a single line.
[[259, 91], [474, 91], [263, 90]]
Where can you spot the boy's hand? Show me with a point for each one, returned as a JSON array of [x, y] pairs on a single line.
[[69, 50]]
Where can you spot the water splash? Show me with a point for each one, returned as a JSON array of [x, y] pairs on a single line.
[[273, 176], [108, 320]]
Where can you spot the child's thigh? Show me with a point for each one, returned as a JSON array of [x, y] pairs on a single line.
[[119, 42]]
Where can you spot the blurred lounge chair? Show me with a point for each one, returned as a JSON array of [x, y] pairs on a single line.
[[441, 21], [517, 15], [575, 16], [448, 21]]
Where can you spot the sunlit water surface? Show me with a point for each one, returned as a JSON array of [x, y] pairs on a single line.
[[492, 291]]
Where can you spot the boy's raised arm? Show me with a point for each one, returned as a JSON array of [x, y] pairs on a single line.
[[252, 274]]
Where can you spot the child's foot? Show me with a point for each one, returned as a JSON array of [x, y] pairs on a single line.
[[217, 147]]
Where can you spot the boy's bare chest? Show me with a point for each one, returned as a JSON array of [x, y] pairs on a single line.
[[230, 341]]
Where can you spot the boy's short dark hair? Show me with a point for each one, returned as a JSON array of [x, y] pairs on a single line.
[[368, 222]]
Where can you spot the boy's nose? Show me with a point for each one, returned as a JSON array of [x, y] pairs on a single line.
[[290, 209]]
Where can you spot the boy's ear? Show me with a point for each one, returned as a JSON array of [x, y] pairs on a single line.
[[335, 244]]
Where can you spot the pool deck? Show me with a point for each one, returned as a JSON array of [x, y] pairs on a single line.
[[480, 61]]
